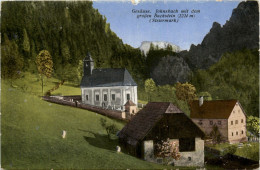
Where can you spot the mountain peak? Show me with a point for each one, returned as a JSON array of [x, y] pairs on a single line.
[[239, 32], [145, 46]]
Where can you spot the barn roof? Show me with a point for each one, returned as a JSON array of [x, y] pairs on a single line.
[[215, 109], [107, 77], [147, 118]]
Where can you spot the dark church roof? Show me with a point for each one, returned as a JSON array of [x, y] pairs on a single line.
[[106, 77], [141, 124]]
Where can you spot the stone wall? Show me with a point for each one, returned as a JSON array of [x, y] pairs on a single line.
[[66, 100], [192, 158], [237, 125], [195, 158], [148, 150], [207, 125]]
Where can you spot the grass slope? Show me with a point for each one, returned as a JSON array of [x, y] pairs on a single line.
[[32, 128], [249, 150]]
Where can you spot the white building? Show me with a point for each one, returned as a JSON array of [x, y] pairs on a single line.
[[107, 87]]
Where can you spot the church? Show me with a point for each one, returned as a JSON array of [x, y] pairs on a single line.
[[109, 88]]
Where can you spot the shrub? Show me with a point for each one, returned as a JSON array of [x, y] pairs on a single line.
[[229, 150], [253, 125], [110, 128], [215, 135], [167, 149], [250, 151]]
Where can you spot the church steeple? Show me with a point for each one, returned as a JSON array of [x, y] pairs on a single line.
[[88, 65]]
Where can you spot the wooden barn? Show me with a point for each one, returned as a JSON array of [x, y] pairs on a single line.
[[158, 121]]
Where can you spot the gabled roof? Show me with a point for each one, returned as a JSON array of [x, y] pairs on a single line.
[[107, 77], [215, 109], [129, 103], [147, 118]]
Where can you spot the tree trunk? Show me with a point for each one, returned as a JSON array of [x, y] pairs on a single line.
[[42, 85]]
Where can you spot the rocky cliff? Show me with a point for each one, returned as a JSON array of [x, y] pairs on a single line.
[[241, 31], [169, 70]]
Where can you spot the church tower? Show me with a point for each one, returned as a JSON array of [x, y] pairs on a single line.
[[88, 65]]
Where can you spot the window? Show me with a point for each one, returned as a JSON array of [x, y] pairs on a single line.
[[86, 97], [127, 96], [232, 134], [189, 158], [242, 120], [233, 111], [242, 132], [133, 111], [219, 122], [113, 97], [105, 97], [159, 160], [236, 121], [186, 144], [231, 122], [200, 122], [236, 133], [211, 122], [97, 97]]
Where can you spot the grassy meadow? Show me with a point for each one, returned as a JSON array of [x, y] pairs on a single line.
[[32, 129], [249, 150], [31, 132]]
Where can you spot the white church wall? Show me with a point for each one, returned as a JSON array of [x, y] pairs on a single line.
[[119, 92]]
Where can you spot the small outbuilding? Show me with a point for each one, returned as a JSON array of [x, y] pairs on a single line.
[[130, 107], [159, 121]]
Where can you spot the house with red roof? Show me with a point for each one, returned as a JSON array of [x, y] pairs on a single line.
[[227, 115]]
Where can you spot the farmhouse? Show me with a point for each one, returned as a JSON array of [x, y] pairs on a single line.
[[158, 121], [107, 87], [227, 115]]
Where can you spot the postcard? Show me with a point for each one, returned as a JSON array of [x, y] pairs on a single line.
[[134, 84]]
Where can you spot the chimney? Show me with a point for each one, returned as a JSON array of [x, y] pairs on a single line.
[[201, 101]]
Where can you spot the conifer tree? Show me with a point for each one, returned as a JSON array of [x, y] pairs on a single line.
[[150, 87], [26, 43], [11, 61]]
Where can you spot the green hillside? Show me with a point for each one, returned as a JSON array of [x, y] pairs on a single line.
[[32, 128], [68, 30], [235, 76]]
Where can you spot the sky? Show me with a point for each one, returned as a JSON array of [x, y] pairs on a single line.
[[186, 31]]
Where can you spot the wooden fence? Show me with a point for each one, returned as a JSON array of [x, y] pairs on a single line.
[[140, 105], [74, 101], [253, 139]]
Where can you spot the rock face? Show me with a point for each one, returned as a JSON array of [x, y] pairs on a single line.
[[145, 46], [169, 70], [241, 31]]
